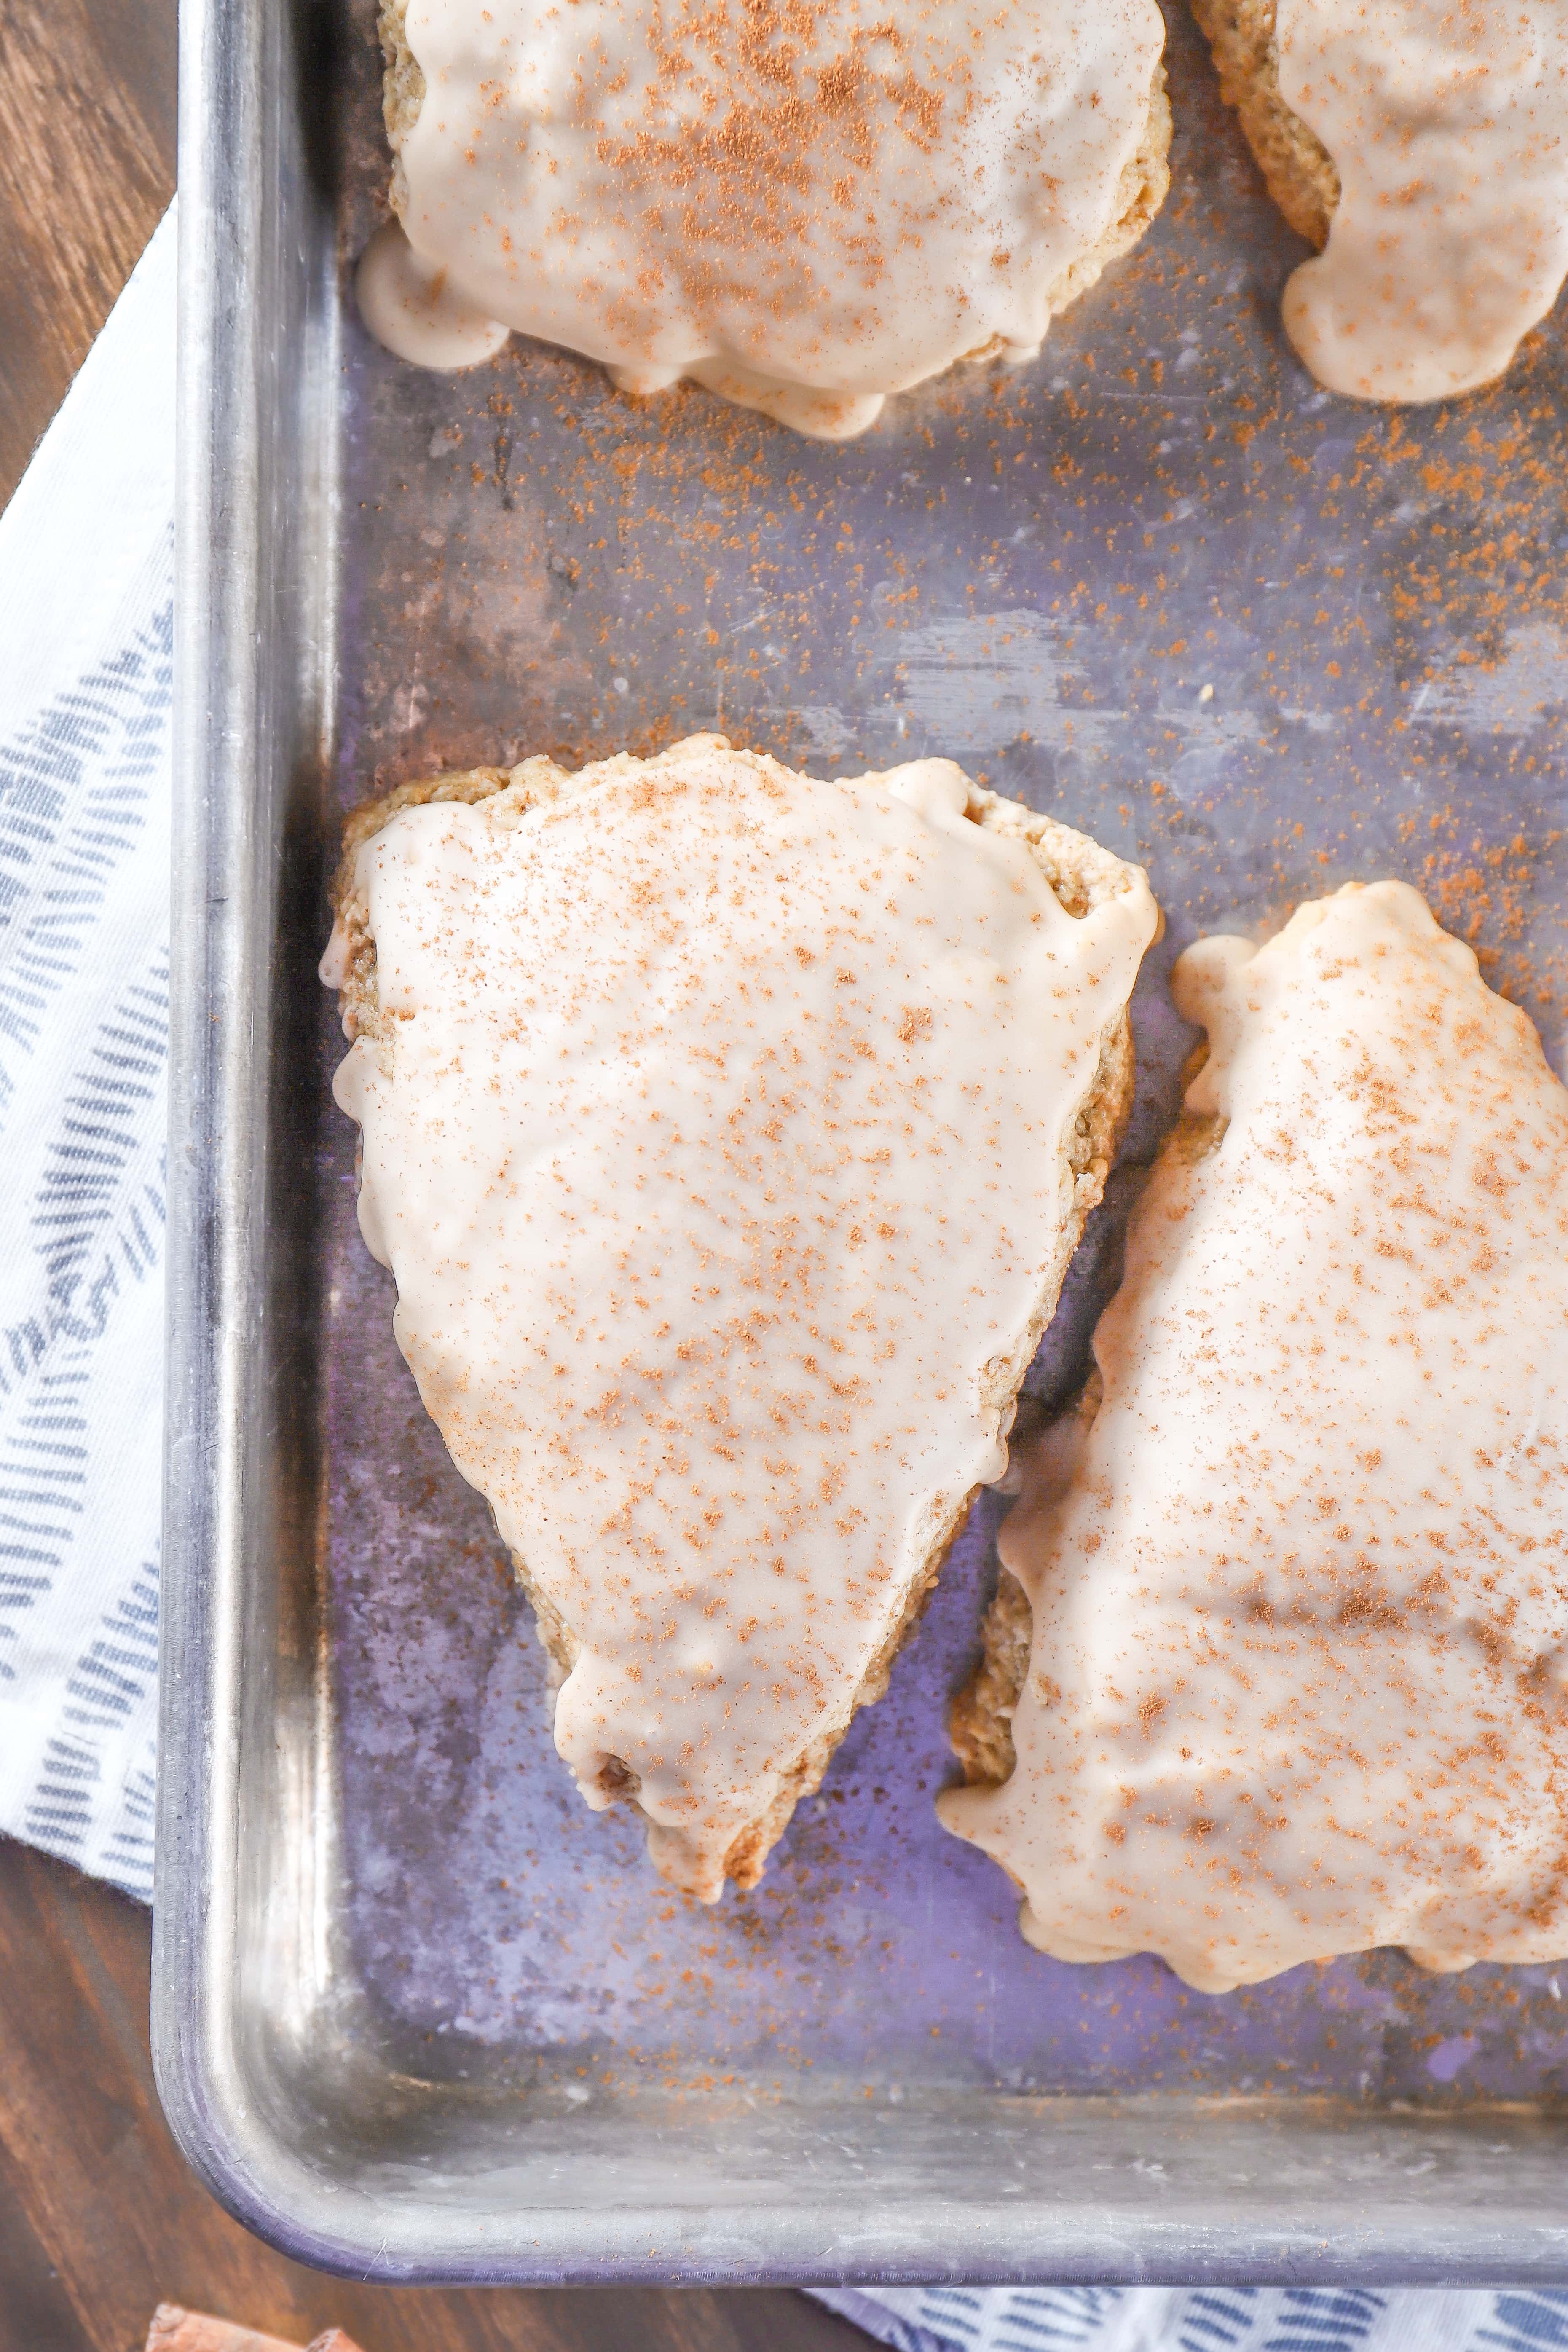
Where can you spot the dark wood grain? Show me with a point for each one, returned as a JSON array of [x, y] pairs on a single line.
[[99, 2219], [87, 166]]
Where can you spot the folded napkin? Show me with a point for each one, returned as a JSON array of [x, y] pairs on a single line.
[[86, 625], [1205, 2319], [85, 632]]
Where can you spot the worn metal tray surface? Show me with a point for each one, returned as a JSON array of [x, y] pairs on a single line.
[[418, 2013]]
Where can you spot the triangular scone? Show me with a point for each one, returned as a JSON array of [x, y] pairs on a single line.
[[1297, 1573], [728, 1133], [1420, 148]]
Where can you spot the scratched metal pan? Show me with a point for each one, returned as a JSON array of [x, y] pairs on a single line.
[[419, 2013]]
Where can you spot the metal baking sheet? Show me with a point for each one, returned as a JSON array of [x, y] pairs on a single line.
[[419, 2013]]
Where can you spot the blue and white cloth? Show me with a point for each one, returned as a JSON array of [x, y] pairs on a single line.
[[86, 630], [1207, 2320]]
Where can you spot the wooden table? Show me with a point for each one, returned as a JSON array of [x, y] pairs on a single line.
[[98, 2217]]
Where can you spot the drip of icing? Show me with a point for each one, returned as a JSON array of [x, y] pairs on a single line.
[[801, 215], [333, 969], [714, 1122], [1447, 122], [819, 416], [413, 306], [1300, 1610]]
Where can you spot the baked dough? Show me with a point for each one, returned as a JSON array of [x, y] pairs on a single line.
[[802, 204], [1422, 145], [1292, 1583], [728, 1133]]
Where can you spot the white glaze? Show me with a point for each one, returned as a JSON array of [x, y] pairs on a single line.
[[713, 1132], [412, 306], [805, 205], [1447, 122], [1300, 1608]]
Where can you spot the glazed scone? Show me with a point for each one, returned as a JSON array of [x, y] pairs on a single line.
[[802, 204], [1422, 145], [728, 1133], [1280, 1667]]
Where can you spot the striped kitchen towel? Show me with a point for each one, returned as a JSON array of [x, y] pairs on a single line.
[[1207, 2320], [86, 625]]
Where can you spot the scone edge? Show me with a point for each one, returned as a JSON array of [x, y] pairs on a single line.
[[1299, 171], [980, 1719]]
